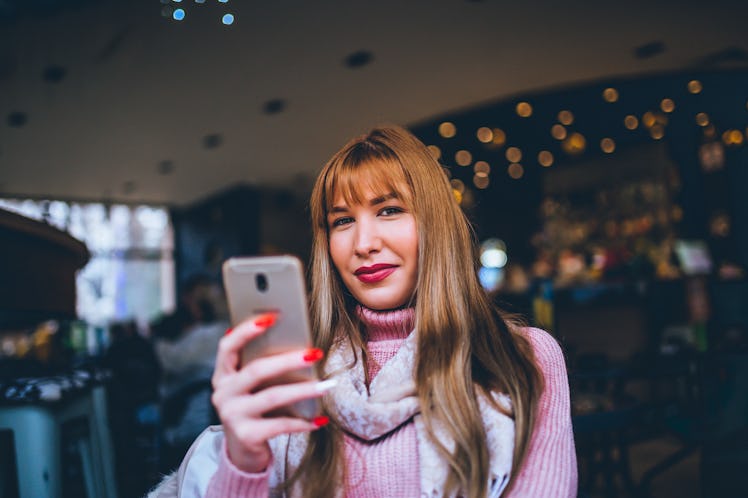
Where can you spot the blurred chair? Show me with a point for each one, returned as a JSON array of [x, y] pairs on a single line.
[[174, 436], [711, 419], [133, 402], [603, 417]]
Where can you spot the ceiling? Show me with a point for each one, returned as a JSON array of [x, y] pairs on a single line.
[[110, 100]]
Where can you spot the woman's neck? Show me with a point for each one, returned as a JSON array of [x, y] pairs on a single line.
[[387, 325]]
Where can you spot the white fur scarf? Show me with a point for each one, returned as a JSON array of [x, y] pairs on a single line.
[[390, 401]]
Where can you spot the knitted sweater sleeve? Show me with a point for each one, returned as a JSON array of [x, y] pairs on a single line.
[[231, 482], [550, 467]]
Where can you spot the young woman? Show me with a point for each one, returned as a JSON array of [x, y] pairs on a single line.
[[428, 389]]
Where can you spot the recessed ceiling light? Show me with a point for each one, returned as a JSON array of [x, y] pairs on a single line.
[[516, 171], [129, 187], [212, 140], [54, 74], [484, 134], [524, 109], [166, 167], [447, 129], [545, 158], [358, 59], [274, 106], [17, 119], [513, 154], [499, 137], [565, 117], [463, 157], [649, 49], [458, 185], [435, 151], [482, 168], [610, 95], [631, 122], [608, 145], [481, 181]]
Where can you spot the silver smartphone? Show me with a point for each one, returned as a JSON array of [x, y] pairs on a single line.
[[257, 285]]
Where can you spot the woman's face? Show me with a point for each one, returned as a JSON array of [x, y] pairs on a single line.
[[374, 247]]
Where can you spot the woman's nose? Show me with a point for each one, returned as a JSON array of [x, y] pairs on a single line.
[[367, 239]]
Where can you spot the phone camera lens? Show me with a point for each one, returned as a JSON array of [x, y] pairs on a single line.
[[262, 282]]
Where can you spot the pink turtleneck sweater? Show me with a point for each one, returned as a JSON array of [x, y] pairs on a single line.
[[388, 467]]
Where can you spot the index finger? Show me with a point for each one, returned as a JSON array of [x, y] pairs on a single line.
[[227, 356]]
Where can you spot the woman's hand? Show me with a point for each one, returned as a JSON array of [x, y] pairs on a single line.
[[241, 407]]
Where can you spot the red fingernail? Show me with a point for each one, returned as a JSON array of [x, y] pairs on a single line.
[[312, 355], [321, 421], [265, 321], [228, 331]]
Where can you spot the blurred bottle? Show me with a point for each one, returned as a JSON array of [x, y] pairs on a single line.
[[698, 310], [77, 337], [542, 305]]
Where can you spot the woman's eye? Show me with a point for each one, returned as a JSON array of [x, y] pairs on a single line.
[[389, 211], [342, 221]]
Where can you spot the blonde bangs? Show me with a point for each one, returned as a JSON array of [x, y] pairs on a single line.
[[352, 180]]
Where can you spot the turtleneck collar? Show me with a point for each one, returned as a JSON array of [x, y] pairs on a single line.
[[387, 325]]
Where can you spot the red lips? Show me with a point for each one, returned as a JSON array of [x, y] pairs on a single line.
[[374, 273]]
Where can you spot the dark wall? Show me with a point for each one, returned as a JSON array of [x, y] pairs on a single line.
[[284, 223], [209, 232]]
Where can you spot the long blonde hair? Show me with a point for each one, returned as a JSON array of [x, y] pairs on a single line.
[[464, 342]]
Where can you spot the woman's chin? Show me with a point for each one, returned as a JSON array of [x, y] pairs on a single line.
[[384, 303]]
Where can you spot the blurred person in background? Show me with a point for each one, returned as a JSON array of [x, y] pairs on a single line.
[[133, 396], [185, 344]]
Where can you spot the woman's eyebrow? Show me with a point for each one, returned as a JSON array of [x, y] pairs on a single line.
[[382, 198], [338, 209]]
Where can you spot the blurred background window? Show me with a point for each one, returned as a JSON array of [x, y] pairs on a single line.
[[131, 271]]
